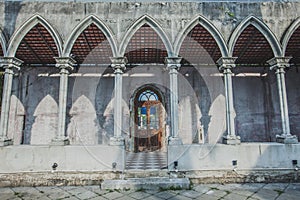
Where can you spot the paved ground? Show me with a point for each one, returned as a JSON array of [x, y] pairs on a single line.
[[278, 191]]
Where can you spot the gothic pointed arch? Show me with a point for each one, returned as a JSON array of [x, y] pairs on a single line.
[[253, 40], [142, 22], [42, 38], [3, 43], [207, 26], [88, 35], [291, 42]]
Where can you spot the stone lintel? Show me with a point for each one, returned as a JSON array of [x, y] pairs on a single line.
[[279, 62], [175, 141], [66, 63], [226, 63], [232, 140], [287, 139], [117, 141], [60, 141]]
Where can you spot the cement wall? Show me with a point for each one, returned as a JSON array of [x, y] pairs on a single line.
[[33, 158], [249, 156], [26, 165]]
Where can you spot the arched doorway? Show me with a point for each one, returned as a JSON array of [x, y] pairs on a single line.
[[149, 120]]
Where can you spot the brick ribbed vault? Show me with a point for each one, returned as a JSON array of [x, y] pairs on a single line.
[[1, 52], [37, 47], [293, 47], [146, 47], [92, 47], [199, 47], [252, 48]]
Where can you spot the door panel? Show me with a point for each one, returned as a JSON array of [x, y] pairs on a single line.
[[148, 130]]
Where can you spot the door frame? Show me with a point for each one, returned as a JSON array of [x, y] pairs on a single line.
[[132, 104]]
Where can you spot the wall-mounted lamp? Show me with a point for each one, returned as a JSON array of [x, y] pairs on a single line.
[[295, 164], [234, 163], [176, 166], [114, 165], [54, 166]]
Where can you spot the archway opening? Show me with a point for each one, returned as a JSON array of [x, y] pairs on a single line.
[[149, 120]]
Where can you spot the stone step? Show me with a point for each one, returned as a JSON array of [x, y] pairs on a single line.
[[147, 183]]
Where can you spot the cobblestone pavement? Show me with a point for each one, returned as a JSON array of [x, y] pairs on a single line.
[[278, 191]]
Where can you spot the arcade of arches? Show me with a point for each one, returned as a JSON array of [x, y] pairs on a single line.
[[144, 96], [93, 85]]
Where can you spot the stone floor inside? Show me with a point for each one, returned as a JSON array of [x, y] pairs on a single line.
[[249, 191], [146, 160]]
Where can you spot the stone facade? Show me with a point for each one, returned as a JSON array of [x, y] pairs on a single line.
[[209, 100]]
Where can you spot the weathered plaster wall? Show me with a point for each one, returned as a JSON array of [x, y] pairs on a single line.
[[64, 16], [293, 97], [90, 109]]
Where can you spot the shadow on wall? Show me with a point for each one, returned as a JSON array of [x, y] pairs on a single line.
[[32, 105], [204, 102], [44, 127]]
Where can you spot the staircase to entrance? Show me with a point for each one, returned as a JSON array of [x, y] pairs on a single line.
[[146, 170]]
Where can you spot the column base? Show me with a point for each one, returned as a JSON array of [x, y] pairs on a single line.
[[60, 141], [117, 141], [232, 140], [5, 142], [175, 141], [287, 139]]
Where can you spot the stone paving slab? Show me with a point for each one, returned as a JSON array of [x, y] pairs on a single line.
[[147, 183], [278, 191]]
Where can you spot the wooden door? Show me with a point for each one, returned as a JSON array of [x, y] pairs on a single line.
[[148, 124]]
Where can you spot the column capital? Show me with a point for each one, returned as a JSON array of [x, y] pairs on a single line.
[[11, 63], [173, 62], [226, 63], [118, 64], [279, 63], [66, 63]]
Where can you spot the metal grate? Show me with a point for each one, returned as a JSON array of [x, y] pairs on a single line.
[[37, 47], [252, 48], [92, 46], [146, 47], [199, 46]]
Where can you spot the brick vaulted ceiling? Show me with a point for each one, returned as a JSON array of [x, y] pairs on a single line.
[[199, 47], [37, 47], [92, 47], [252, 48], [293, 47], [146, 47], [1, 51]]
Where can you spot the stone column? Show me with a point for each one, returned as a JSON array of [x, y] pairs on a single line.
[[118, 64], [225, 65], [279, 64], [11, 65], [65, 64], [173, 65]]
